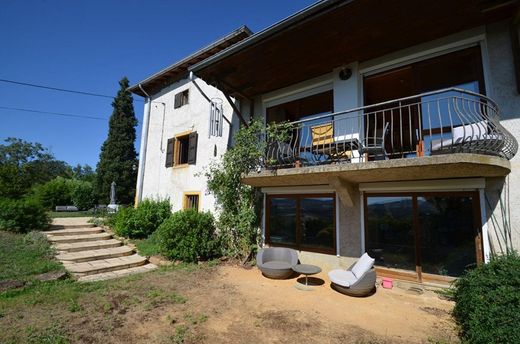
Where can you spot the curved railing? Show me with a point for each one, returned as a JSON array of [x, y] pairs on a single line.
[[446, 121]]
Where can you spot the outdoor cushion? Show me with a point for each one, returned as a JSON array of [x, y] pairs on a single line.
[[364, 264], [277, 264], [342, 277]]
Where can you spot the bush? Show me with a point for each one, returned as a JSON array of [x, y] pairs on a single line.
[[188, 236], [55, 192], [22, 216], [83, 195], [142, 221], [487, 301]]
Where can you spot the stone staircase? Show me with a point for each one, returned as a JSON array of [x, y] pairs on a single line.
[[89, 253]]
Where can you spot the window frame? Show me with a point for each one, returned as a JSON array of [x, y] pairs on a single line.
[[185, 199], [181, 98], [299, 246], [177, 149], [173, 149]]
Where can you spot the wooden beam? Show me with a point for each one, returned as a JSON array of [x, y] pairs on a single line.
[[344, 190], [233, 105]]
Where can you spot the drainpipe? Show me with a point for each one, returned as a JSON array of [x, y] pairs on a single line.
[[142, 149]]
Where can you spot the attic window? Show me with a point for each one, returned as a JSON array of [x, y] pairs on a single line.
[[181, 99]]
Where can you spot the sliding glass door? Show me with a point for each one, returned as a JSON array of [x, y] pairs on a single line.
[[448, 232], [427, 233], [390, 236], [304, 222]]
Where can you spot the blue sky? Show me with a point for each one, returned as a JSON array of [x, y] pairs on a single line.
[[90, 45]]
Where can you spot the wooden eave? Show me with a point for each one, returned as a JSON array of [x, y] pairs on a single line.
[[342, 33]]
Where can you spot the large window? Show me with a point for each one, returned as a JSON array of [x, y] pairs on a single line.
[[305, 222], [431, 233], [421, 120]]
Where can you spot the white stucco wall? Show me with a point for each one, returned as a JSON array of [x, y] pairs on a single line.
[[166, 122], [504, 91]]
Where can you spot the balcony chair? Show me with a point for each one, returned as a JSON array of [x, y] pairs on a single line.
[[276, 262], [358, 280], [375, 145], [324, 144]]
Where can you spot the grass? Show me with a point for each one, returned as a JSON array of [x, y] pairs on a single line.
[[60, 214], [41, 311], [147, 247], [23, 256], [53, 334]]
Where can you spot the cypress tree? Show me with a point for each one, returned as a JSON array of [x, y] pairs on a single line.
[[118, 158]]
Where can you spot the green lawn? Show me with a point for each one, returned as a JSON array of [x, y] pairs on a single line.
[[23, 256]]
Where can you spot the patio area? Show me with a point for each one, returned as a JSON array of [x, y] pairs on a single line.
[[275, 311]]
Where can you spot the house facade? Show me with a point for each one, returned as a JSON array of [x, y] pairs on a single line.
[[187, 125], [400, 131]]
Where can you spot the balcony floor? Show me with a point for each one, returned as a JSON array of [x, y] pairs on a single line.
[[458, 165]]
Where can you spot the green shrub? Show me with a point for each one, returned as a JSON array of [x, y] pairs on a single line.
[[22, 216], [188, 236], [55, 192], [142, 221], [83, 194], [487, 302]]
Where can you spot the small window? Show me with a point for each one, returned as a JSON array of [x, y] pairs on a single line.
[[181, 99], [182, 149], [191, 201]]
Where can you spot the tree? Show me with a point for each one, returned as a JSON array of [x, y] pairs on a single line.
[[24, 164], [118, 158], [84, 173]]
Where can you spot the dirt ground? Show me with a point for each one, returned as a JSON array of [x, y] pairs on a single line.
[[230, 304]]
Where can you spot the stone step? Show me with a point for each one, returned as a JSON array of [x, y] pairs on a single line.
[[117, 273], [104, 265], [76, 231], [78, 225], [78, 238], [90, 255], [87, 245]]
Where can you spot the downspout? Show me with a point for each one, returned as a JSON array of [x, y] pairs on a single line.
[[142, 148]]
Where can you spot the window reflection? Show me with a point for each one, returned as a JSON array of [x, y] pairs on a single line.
[[317, 217], [282, 221], [389, 235]]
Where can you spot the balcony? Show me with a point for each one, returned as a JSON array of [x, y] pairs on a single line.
[[450, 133]]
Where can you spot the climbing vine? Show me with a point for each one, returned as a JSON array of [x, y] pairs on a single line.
[[239, 204]]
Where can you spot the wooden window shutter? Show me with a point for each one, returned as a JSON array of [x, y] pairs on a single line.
[[192, 148], [177, 101], [169, 153]]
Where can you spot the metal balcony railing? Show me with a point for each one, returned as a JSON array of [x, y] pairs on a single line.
[[441, 122]]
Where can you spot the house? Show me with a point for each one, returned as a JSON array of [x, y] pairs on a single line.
[[402, 137], [187, 125]]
